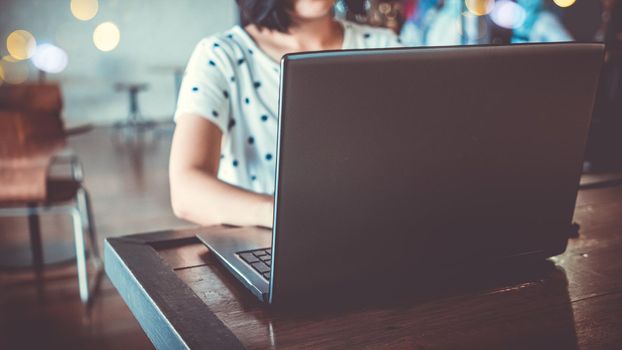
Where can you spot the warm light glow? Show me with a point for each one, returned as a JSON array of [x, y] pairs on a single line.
[[50, 59], [14, 72], [479, 7], [84, 10], [21, 44], [564, 3], [8, 58], [106, 36], [508, 14]]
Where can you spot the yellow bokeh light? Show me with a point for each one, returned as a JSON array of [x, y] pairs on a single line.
[[479, 7], [8, 58], [106, 36], [84, 10], [564, 3], [21, 44]]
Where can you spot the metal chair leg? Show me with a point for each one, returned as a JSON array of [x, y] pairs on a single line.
[[36, 247], [78, 235], [84, 205]]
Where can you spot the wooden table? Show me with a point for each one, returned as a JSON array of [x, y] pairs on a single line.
[[183, 298]]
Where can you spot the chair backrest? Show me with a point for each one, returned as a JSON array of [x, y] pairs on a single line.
[[31, 131], [30, 118]]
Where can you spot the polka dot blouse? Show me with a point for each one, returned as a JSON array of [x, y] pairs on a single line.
[[233, 84]]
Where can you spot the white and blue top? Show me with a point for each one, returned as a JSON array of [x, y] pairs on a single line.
[[235, 85]]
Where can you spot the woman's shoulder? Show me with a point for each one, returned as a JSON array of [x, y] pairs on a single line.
[[368, 36], [221, 45]]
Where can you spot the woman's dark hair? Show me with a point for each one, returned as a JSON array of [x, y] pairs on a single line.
[[270, 14]]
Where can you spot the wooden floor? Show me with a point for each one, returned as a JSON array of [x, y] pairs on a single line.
[[128, 182]]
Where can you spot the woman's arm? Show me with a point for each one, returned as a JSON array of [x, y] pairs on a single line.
[[196, 193]]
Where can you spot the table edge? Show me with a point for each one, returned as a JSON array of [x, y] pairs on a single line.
[[131, 263]]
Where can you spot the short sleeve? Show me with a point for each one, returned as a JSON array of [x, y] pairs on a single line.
[[386, 38], [204, 89], [392, 39], [359, 36]]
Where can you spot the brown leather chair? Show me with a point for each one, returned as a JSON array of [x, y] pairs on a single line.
[[32, 137]]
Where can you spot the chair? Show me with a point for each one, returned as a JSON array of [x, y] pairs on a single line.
[[135, 120], [32, 137]]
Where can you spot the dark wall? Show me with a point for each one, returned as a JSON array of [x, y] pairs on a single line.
[[583, 19]]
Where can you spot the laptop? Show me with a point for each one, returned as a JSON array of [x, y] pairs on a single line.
[[396, 164]]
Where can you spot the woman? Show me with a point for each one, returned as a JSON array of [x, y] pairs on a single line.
[[222, 166]]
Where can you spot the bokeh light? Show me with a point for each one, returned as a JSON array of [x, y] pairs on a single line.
[[21, 44], [564, 3], [9, 58], [14, 71], [479, 7], [508, 14], [84, 10], [50, 58], [106, 36]]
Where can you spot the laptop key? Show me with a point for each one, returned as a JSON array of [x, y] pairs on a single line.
[[265, 258], [259, 254], [266, 275], [260, 267], [248, 257]]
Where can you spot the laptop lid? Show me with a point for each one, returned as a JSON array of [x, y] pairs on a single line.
[[395, 163]]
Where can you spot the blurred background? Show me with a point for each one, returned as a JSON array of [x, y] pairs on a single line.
[[87, 93], [91, 46], [88, 46]]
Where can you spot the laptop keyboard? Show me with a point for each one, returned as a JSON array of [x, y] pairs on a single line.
[[259, 259]]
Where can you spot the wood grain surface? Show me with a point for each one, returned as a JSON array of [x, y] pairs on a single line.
[[573, 301]]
